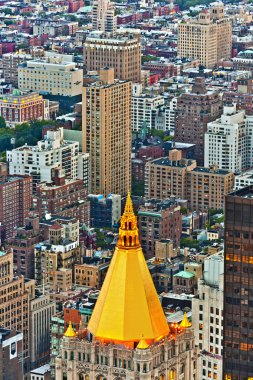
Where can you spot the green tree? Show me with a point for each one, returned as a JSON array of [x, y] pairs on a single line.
[[2, 122], [5, 142], [183, 210]]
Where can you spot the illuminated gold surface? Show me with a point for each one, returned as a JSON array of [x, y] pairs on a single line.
[[142, 345], [185, 322], [128, 307], [70, 333]]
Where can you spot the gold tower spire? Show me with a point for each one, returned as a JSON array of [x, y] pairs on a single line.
[[128, 308], [70, 332], [185, 322], [128, 231]]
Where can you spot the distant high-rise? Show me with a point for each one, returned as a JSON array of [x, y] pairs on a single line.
[[122, 52], [194, 110], [103, 16], [208, 38], [107, 133], [52, 152], [238, 293], [229, 140]]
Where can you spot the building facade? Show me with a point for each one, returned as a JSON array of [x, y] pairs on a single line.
[[207, 318], [103, 16], [60, 251], [229, 141], [18, 108], [41, 312], [159, 220], [104, 212], [14, 303], [11, 353], [11, 62], [107, 133], [66, 198], [208, 37], [167, 176], [15, 201], [54, 77], [144, 109], [194, 111], [207, 187], [22, 244], [40, 161], [238, 295], [122, 52]]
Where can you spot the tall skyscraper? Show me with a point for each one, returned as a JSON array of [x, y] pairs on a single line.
[[103, 16], [194, 110], [208, 38], [122, 52], [128, 335], [107, 133], [238, 293]]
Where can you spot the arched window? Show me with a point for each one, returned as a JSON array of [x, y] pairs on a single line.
[[72, 355]]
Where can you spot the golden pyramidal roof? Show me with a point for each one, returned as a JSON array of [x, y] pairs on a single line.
[[70, 332], [128, 307], [185, 322], [142, 345]]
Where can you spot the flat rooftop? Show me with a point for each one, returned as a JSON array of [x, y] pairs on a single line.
[[164, 161], [211, 171], [41, 370], [246, 192]]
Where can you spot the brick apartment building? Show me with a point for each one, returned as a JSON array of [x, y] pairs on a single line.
[[123, 52], [159, 220], [22, 244], [18, 107], [203, 188], [65, 197], [11, 352], [15, 201], [194, 111], [91, 273], [167, 176]]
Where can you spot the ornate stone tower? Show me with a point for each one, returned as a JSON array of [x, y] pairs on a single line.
[[128, 336]]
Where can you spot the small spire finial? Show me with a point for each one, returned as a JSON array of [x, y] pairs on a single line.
[[185, 322], [129, 205], [70, 332]]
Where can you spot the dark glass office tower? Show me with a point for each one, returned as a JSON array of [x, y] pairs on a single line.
[[238, 290]]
